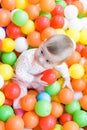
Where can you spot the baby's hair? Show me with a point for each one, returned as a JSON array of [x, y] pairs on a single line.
[[60, 45]]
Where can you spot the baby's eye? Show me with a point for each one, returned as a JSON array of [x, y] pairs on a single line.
[[42, 52], [48, 61]]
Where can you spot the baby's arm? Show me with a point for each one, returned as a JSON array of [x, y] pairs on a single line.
[[63, 69]]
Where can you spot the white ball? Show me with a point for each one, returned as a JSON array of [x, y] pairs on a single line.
[[76, 23], [66, 24], [84, 2], [84, 23], [71, 12], [1, 81], [78, 95], [2, 33], [21, 44]]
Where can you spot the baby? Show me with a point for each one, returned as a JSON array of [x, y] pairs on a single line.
[[52, 53]]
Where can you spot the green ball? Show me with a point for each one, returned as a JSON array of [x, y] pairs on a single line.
[[47, 14], [62, 3], [9, 58], [80, 117], [53, 89], [58, 127], [43, 108], [6, 112], [72, 107], [20, 17]]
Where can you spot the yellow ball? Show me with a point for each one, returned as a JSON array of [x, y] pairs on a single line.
[[21, 4], [28, 27], [6, 71], [2, 98], [60, 31], [76, 71], [55, 98], [74, 34], [83, 37], [8, 45]]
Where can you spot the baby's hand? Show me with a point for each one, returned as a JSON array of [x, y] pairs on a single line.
[[37, 79]]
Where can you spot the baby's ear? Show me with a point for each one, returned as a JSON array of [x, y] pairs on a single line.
[[74, 44]]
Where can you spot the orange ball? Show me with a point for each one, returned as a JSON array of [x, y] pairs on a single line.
[[34, 1], [85, 66], [83, 102], [33, 92], [2, 125], [74, 58], [78, 84], [85, 91], [70, 125], [47, 32], [57, 109], [4, 17], [79, 6], [32, 11], [8, 4], [34, 39], [28, 102], [15, 123], [31, 120], [66, 95], [47, 5]]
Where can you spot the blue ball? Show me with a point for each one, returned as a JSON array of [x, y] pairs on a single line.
[[44, 96]]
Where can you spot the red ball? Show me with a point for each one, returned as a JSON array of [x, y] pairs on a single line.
[[69, 1], [41, 23], [47, 123], [58, 10], [64, 118], [84, 52], [13, 31], [49, 76], [79, 47], [57, 21], [0, 44], [8, 102], [12, 90]]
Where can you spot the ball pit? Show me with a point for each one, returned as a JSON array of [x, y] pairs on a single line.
[[25, 24]]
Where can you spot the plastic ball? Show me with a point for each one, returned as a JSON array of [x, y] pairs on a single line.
[[66, 95], [58, 10], [2, 125], [66, 24], [65, 117], [70, 125], [0, 45], [2, 33], [47, 14], [41, 23], [31, 119], [12, 90], [47, 5], [21, 44], [71, 11], [28, 27], [58, 127], [4, 17], [21, 4], [19, 112], [57, 21], [28, 102], [57, 109], [84, 52], [33, 92], [34, 39], [14, 123], [2, 98], [43, 96], [81, 84], [73, 34], [69, 2], [78, 95], [72, 107], [1, 81], [49, 76], [8, 45], [6, 71], [43, 108], [76, 71], [83, 101], [62, 3], [83, 38], [47, 33], [85, 66], [6, 112], [34, 1], [8, 102], [84, 2], [32, 11], [47, 123], [20, 17], [8, 5], [13, 31], [80, 117], [53, 89], [9, 58]]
